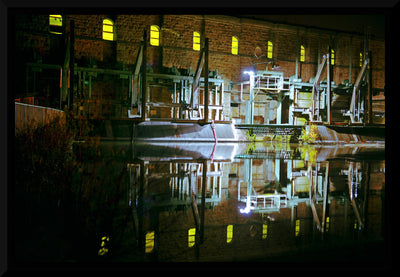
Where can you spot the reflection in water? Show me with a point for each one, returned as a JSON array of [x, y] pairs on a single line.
[[226, 202], [206, 203]]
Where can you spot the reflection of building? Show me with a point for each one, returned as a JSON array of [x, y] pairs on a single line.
[[331, 200]]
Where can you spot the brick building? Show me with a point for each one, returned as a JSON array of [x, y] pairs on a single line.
[[106, 48]]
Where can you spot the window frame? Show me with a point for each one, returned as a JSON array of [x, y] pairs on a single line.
[[107, 34], [270, 49], [154, 40], [196, 41], [302, 53], [235, 45], [54, 26]]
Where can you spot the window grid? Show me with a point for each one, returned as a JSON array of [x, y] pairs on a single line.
[[155, 35], [108, 29], [235, 45]]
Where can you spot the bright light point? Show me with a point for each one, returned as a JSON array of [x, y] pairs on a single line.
[[245, 210], [251, 73]]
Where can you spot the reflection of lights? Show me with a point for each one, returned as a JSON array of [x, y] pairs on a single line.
[[246, 210]]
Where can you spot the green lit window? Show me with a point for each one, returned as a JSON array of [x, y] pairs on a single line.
[[302, 53], [297, 230], [361, 59], [55, 23], [149, 241], [270, 50], [332, 57], [235, 45], [108, 29], [191, 237], [264, 231], [229, 233], [154, 35], [196, 41]]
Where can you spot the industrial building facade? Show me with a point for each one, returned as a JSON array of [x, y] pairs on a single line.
[[105, 50]]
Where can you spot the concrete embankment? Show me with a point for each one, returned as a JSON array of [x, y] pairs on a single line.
[[350, 134]]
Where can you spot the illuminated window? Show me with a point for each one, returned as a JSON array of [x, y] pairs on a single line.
[[229, 233], [361, 59], [55, 23], [270, 50], [297, 230], [196, 41], [235, 45], [265, 231], [155, 35], [191, 237], [332, 57], [302, 53], [149, 241], [108, 29]]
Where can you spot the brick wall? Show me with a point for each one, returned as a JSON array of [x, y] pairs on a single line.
[[33, 40]]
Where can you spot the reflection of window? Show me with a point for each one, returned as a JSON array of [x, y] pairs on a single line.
[[235, 45], [361, 59], [154, 35], [229, 233], [191, 237], [196, 41], [149, 241], [297, 230], [270, 50], [332, 57], [302, 53], [108, 29], [55, 23], [265, 231]]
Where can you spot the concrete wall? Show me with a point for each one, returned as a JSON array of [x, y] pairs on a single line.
[[32, 116]]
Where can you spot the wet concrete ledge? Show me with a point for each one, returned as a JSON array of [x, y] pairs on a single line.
[[184, 132]]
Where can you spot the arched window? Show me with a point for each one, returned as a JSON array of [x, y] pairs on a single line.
[[270, 50], [108, 29], [235, 45], [196, 41], [154, 35], [55, 23], [332, 57], [302, 53], [361, 59]]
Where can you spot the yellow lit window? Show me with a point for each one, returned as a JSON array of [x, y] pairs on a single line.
[[191, 237], [229, 233], [270, 50], [297, 230], [302, 53], [108, 29], [265, 231], [332, 57], [149, 241], [196, 41], [235, 45], [154, 35], [55, 23], [361, 59]]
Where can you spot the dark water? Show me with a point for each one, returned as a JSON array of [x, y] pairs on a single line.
[[273, 202]]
